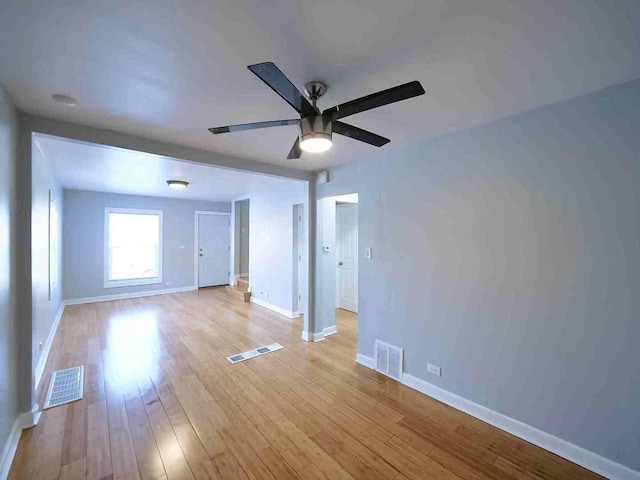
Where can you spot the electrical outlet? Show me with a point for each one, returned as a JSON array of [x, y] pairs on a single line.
[[169, 283], [434, 370]]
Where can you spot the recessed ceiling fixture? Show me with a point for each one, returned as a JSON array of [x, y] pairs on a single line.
[[177, 184], [65, 100], [317, 128]]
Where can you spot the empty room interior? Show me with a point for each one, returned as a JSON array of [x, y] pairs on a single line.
[[319, 240]]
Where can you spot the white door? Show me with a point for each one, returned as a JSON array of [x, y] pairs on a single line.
[[213, 250], [347, 255]]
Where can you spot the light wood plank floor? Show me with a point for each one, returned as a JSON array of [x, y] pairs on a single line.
[[162, 402]]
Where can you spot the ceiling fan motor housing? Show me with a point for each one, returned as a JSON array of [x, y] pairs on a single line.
[[315, 126]]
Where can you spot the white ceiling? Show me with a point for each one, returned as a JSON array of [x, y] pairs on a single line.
[[87, 166], [169, 70]]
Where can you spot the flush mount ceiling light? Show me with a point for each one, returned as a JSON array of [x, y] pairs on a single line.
[[316, 127], [177, 184], [65, 100]]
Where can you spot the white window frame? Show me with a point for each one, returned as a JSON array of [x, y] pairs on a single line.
[[129, 282]]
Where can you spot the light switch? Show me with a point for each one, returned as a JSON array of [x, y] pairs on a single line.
[[367, 252]]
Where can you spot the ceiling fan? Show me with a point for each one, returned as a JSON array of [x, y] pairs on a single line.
[[316, 127]]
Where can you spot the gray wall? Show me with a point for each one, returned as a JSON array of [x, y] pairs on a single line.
[[271, 239], [326, 264], [84, 240], [509, 255], [8, 317], [44, 310]]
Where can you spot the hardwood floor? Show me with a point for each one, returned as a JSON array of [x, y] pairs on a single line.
[[162, 402]]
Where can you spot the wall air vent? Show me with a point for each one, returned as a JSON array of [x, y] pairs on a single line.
[[389, 360]]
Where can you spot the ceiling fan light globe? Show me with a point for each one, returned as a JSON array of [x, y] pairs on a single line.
[[315, 144]]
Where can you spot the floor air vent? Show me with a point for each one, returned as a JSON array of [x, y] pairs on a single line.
[[389, 360], [241, 357], [65, 386]]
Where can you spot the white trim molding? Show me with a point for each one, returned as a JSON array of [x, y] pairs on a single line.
[[44, 354], [124, 296], [9, 449], [312, 337], [574, 453], [330, 330], [368, 362], [23, 421], [272, 307], [31, 418]]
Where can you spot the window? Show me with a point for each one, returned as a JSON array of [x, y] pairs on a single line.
[[132, 247]]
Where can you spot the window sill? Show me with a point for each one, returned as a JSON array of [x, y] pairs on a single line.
[[132, 283]]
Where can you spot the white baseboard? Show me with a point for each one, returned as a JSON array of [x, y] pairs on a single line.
[[330, 330], [44, 355], [123, 296], [30, 419], [312, 337], [272, 307], [23, 421], [365, 361], [574, 453], [9, 450]]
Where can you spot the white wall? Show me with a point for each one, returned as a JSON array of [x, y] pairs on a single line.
[[299, 260], [45, 309], [84, 241], [508, 255], [8, 318], [271, 244]]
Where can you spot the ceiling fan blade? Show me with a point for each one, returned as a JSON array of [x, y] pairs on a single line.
[[253, 126], [295, 151], [359, 134], [375, 100], [279, 83]]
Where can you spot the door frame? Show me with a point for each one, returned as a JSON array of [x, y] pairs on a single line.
[[196, 257]]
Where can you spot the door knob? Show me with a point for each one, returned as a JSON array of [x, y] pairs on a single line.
[[340, 263]]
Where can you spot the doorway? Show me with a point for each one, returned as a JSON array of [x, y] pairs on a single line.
[[337, 264], [212, 249], [347, 256], [241, 242]]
